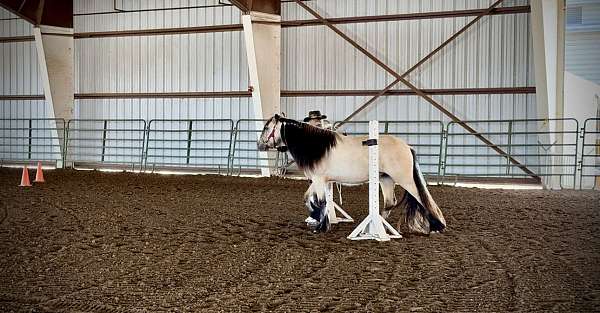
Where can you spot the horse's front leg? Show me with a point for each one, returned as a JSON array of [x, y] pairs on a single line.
[[309, 199], [316, 203]]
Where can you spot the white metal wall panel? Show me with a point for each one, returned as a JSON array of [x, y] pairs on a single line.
[[469, 107], [19, 69], [11, 25], [18, 60], [581, 55], [20, 109], [175, 63], [169, 63], [495, 53], [19, 73]]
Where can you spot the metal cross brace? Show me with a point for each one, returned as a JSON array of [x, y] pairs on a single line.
[[419, 92]]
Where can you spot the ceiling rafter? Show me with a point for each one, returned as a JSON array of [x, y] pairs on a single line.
[[38, 12]]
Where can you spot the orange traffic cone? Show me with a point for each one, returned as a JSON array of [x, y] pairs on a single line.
[[39, 175], [25, 178]]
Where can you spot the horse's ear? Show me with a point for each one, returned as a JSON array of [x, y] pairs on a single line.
[[283, 114]]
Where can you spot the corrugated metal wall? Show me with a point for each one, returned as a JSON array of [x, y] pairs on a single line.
[[495, 53], [166, 63], [19, 72]]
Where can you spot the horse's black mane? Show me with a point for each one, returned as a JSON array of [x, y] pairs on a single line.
[[307, 144]]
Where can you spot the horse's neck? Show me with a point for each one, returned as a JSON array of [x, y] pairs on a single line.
[[307, 146]]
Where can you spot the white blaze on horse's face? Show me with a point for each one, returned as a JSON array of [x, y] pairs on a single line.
[[270, 138]]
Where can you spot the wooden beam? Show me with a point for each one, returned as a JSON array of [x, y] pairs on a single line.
[[37, 12], [287, 24], [284, 93], [263, 6]]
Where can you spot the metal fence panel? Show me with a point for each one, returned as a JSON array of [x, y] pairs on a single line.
[[527, 141], [424, 136], [34, 139], [245, 155], [590, 154], [105, 141], [202, 144]]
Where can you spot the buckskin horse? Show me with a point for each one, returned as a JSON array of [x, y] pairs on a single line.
[[327, 156]]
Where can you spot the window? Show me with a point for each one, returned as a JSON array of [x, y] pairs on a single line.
[[574, 16]]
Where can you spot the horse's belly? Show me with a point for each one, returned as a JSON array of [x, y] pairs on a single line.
[[348, 170]]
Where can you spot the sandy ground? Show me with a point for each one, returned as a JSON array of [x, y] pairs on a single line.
[[116, 242]]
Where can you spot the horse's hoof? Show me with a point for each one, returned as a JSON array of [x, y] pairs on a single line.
[[311, 222], [324, 226]]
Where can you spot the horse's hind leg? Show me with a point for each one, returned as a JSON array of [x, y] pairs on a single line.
[[389, 198], [401, 204]]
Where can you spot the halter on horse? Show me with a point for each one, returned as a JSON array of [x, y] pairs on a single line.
[[326, 156]]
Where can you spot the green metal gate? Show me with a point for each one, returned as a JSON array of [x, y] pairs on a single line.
[[527, 141], [32, 140]]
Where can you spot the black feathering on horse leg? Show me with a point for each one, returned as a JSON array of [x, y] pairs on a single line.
[[319, 213]]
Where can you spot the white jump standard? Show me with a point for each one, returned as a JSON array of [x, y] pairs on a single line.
[[332, 207], [374, 226]]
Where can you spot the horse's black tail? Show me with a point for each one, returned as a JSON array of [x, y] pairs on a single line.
[[426, 216]]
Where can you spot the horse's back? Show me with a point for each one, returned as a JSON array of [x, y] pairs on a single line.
[[387, 140]]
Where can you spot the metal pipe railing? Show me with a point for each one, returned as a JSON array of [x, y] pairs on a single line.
[[224, 145], [589, 163], [101, 142], [27, 140], [522, 140], [246, 135], [191, 144]]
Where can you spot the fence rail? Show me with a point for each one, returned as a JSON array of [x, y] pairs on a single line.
[[105, 142], [225, 146], [34, 139], [196, 143], [590, 154], [526, 141]]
